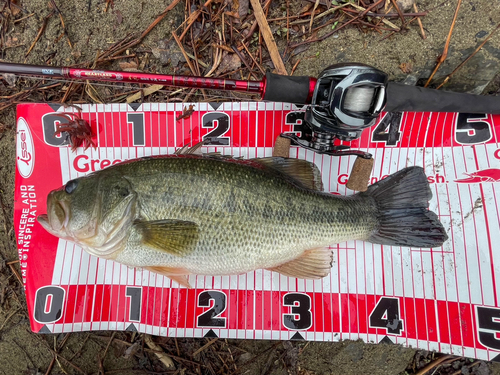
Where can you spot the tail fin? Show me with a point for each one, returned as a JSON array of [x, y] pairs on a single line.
[[402, 200]]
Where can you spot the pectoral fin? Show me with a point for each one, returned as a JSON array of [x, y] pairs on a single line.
[[175, 237], [312, 264], [179, 275]]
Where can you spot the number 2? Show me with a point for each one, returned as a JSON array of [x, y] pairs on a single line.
[[219, 121], [211, 318]]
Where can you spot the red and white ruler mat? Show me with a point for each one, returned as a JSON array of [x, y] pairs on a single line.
[[445, 299]]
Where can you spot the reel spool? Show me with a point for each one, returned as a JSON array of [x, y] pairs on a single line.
[[347, 99]]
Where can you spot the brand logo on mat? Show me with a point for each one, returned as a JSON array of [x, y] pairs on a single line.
[[486, 175], [25, 149]]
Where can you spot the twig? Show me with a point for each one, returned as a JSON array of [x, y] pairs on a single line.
[[23, 18], [399, 12], [210, 342], [184, 53], [331, 10], [434, 363], [458, 372], [56, 8], [420, 22], [40, 32], [295, 67], [192, 17], [243, 60], [107, 346], [67, 361], [287, 21], [14, 271], [445, 51], [381, 16], [162, 356], [51, 366], [468, 58], [312, 15], [149, 28], [143, 93], [8, 318], [268, 37], [81, 347], [253, 59], [361, 14], [231, 354]]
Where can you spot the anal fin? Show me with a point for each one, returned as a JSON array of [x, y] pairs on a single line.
[[312, 264], [179, 275]]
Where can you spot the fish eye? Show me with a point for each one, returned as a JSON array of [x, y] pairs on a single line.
[[71, 186]]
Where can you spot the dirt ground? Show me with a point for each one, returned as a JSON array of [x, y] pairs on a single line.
[[91, 29]]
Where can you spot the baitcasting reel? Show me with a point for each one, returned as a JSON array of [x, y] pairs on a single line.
[[347, 99]]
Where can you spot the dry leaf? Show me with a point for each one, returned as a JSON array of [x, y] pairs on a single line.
[[168, 51], [128, 66], [243, 8], [11, 41], [232, 14], [406, 67], [132, 350], [230, 62], [119, 17], [10, 79], [14, 9], [186, 113]]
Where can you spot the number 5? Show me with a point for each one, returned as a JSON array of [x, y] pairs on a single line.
[[488, 321]]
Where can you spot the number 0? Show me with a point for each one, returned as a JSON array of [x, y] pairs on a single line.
[[49, 303]]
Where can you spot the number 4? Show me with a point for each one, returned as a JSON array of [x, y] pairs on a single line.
[[387, 130], [386, 315]]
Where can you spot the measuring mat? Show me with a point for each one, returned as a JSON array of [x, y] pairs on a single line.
[[444, 299]]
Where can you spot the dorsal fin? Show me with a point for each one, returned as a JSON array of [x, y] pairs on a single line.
[[302, 172]]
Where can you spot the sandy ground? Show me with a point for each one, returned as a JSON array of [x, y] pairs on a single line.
[[91, 30]]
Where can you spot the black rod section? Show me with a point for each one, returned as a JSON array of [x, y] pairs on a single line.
[[405, 98]]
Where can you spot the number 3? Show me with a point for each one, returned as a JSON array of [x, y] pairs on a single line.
[[300, 308]]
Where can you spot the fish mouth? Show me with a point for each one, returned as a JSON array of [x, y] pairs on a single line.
[[57, 217]]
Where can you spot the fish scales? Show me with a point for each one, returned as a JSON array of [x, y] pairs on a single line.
[[248, 217]]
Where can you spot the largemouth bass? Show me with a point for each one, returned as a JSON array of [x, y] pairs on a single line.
[[208, 215]]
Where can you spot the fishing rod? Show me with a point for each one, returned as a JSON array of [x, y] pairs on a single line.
[[344, 100]]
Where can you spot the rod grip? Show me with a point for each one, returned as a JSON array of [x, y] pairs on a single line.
[[287, 89], [405, 98]]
